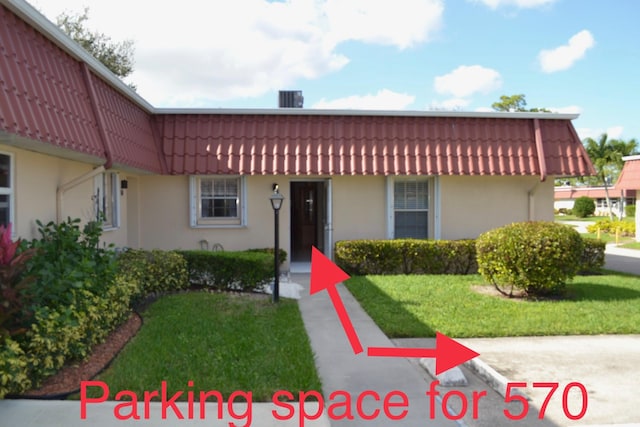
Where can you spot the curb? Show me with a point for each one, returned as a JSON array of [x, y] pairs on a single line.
[[493, 378]]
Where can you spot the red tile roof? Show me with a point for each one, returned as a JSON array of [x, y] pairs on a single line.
[[42, 95], [570, 193], [54, 93], [630, 176], [376, 144]]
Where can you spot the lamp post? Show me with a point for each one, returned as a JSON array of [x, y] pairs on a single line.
[[276, 203]]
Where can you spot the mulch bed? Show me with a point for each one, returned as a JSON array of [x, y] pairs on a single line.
[[67, 380]]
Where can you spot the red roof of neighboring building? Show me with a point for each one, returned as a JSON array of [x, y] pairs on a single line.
[[53, 92], [569, 193], [361, 144], [630, 176]]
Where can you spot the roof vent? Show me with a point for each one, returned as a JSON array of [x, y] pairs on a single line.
[[290, 99]]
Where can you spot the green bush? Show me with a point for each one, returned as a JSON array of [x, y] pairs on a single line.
[[592, 259], [13, 369], [605, 225], [282, 254], [154, 271], [406, 256], [241, 271], [535, 257], [583, 207], [68, 258], [630, 211]]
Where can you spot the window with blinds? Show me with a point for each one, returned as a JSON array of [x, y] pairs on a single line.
[[411, 208]]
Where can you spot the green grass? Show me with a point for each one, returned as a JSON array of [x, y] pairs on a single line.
[[631, 245], [418, 306], [219, 341]]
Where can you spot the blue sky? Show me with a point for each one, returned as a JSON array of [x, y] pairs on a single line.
[[575, 56]]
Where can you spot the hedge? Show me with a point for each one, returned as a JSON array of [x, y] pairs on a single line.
[[592, 256], [627, 228], [411, 256], [62, 333], [241, 271], [406, 256]]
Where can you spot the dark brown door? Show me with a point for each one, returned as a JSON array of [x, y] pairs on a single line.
[[305, 219]]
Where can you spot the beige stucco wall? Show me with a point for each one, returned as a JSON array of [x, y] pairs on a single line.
[[358, 212], [470, 206], [37, 177]]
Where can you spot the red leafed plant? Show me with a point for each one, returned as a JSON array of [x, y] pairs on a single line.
[[12, 283]]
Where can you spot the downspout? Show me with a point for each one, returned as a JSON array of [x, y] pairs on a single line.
[[86, 74], [93, 99], [69, 185], [542, 163]]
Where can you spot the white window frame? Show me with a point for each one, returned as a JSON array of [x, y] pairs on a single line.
[[10, 191], [195, 208], [99, 199], [433, 229]]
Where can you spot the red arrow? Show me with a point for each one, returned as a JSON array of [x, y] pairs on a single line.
[[448, 353], [326, 275]]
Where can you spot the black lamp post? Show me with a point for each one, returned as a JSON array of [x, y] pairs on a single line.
[[276, 203]]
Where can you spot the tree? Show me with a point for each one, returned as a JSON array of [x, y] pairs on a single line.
[[605, 159], [515, 103], [117, 56]]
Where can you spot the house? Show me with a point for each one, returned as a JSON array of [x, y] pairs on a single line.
[[75, 141], [630, 178], [622, 193], [565, 196]]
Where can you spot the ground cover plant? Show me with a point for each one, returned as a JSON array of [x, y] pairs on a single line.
[[220, 341], [459, 306]]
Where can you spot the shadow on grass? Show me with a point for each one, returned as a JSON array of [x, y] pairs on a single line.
[[389, 314], [599, 292]]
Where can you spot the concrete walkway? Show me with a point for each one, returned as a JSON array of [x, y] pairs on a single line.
[[340, 369]]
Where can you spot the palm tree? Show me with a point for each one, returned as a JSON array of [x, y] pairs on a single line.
[[603, 156]]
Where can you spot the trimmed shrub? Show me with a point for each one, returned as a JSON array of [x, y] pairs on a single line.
[[627, 228], [583, 207], [592, 255], [534, 257], [282, 254], [630, 211], [241, 271], [406, 256], [154, 271]]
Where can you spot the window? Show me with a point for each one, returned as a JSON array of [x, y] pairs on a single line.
[[6, 190], [411, 208], [106, 200], [217, 201]]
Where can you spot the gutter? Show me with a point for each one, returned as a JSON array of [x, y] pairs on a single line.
[[69, 185]]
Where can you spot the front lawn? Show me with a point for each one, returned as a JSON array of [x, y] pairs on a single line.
[[221, 342], [418, 306]]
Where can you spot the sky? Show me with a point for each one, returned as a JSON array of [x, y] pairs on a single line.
[[569, 56]]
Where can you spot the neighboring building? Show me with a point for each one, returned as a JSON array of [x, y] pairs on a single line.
[[630, 178], [565, 196], [75, 141]]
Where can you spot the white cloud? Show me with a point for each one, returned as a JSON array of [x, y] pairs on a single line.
[[449, 104], [385, 99], [205, 51], [523, 4], [563, 57], [467, 80], [569, 109], [613, 132], [400, 23]]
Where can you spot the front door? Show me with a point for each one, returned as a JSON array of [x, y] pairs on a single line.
[[307, 219]]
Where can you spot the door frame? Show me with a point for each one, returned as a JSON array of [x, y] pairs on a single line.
[[328, 214]]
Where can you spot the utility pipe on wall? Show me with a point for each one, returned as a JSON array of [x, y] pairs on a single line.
[[69, 185]]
